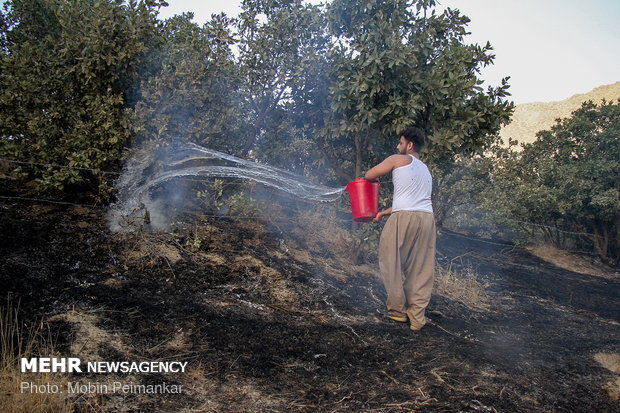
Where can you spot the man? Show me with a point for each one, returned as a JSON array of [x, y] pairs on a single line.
[[407, 243]]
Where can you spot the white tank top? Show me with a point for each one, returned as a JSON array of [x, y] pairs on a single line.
[[413, 186]]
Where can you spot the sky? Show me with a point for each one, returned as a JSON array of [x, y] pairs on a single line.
[[551, 49]]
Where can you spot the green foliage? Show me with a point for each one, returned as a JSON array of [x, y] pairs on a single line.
[[244, 206], [66, 70], [395, 67], [569, 178], [278, 43], [347, 77], [213, 194], [320, 90], [561, 189], [191, 90], [461, 185], [365, 242]]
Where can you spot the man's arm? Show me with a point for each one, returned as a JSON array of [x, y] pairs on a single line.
[[381, 169]]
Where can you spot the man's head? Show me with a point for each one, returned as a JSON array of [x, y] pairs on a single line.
[[411, 140]]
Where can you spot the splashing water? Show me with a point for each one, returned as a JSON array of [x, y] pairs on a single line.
[[149, 169]]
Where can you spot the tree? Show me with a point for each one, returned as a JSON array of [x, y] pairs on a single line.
[[81, 78], [191, 88], [67, 69], [276, 39], [465, 185], [569, 178], [396, 66]]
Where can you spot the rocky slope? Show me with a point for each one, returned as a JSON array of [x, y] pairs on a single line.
[[530, 118]]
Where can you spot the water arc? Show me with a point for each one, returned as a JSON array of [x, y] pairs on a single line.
[[150, 168]]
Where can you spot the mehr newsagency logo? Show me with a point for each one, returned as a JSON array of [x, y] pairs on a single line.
[[75, 365]]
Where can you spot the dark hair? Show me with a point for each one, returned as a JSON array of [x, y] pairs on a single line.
[[415, 135]]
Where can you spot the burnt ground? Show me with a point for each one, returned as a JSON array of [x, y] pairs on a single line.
[[265, 330]]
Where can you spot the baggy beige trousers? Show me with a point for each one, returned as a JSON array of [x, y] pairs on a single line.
[[406, 262]]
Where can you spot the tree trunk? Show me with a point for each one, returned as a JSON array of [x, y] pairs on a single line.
[[616, 242], [356, 248], [250, 140], [333, 161], [547, 235], [360, 146], [358, 156], [601, 242], [263, 111]]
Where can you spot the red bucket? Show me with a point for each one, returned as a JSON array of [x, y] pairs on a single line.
[[364, 196]]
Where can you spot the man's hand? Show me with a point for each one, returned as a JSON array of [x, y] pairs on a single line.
[[381, 214]]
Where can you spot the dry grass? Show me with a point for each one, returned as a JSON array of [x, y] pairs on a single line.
[[17, 341], [320, 231], [147, 250], [89, 337], [279, 287], [462, 286], [613, 389], [609, 360], [612, 363], [568, 261]]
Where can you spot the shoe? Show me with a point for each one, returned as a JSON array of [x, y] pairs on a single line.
[[397, 316], [415, 326], [417, 320]]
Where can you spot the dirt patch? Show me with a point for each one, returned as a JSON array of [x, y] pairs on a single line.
[[19, 389], [613, 389], [277, 285], [570, 262], [212, 258]]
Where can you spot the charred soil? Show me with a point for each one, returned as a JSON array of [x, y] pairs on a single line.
[[263, 330]]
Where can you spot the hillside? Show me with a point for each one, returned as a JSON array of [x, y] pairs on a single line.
[[530, 118], [268, 320]]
